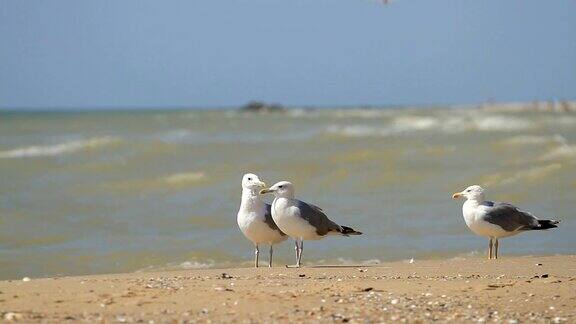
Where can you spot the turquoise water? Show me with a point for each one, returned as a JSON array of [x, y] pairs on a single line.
[[124, 191]]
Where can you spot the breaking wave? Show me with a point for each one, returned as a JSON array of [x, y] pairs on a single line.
[[561, 152], [183, 178], [533, 140], [446, 124], [59, 149], [501, 123], [196, 265]]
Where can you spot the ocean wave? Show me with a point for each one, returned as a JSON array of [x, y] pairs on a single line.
[[360, 113], [564, 151], [172, 181], [522, 176], [186, 265], [403, 124], [59, 149], [196, 264], [357, 130], [348, 262], [532, 174], [501, 123], [337, 113], [183, 178], [446, 124], [533, 140], [173, 136]]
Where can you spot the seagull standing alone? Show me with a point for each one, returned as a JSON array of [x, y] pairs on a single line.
[[254, 217], [300, 220], [496, 219]]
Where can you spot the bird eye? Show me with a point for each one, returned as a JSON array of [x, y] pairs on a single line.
[[280, 187], [468, 190], [249, 179]]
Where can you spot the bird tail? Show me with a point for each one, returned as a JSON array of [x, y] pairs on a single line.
[[546, 224], [345, 230]]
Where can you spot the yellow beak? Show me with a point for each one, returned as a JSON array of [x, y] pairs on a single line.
[[457, 195], [265, 191]]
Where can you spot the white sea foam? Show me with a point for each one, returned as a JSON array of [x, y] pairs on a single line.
[[501, 123], [196, 264], [531, 174], [533, 140], [406, 124], [564, 151], [191, 264], [446, 124], [59, 149], [347, 261], [399, 125], [462, 122], [356, 130], [182, 178]]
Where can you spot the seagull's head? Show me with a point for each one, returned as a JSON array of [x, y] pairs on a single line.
[[282, 189], [474, 192], [250, 181]]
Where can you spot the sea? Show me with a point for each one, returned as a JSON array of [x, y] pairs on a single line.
[[91, 192]]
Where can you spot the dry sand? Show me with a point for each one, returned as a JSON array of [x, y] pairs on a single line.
[[511, 289]]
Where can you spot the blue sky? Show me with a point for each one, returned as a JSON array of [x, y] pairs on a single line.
[[210, 53]]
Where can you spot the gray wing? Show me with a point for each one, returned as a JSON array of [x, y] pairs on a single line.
[[316, 217], [269, 221], [509, 217]]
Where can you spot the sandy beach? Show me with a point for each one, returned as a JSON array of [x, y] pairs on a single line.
[[511, 289]]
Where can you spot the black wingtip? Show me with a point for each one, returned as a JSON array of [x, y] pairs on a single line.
[[546, 224], [349, 231]]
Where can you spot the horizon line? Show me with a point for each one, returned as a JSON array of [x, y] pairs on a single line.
[[235, 107]]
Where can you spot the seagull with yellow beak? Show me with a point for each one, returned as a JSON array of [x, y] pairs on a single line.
[[255, 217], [301, 220], [496, 220]]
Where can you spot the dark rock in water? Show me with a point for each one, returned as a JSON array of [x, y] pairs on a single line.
[[257, 106]]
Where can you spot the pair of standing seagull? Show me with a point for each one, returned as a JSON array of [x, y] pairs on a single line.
[[287, 217]]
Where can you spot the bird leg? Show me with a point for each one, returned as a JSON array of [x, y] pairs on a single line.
[[256, 251], [490, 249], [298, 250], [300, 253], [270, 263], [496, 249]]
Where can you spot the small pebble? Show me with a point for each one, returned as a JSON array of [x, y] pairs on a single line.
[[11, 316]]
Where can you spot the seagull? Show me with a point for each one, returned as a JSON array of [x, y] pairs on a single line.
[[495, 220], [301, 220], [254, 217]]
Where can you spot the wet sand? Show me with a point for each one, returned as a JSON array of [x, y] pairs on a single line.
[[511, 289]]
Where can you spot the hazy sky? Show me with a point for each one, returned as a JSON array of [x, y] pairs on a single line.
[[133, 53]]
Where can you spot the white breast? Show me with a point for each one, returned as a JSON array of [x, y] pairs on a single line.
[[251, 220], [473, 213], [285, 214]]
